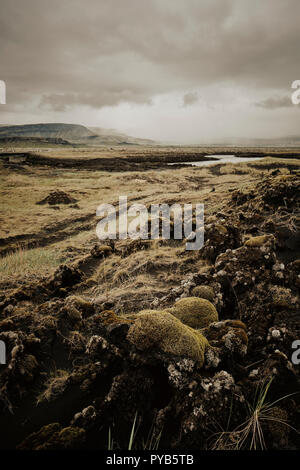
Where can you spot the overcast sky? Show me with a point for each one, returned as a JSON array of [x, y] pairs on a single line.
[[173, 70]]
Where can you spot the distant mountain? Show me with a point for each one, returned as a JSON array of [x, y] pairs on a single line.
[[72, 133], [113, 137], [33, 142], [56, 131]]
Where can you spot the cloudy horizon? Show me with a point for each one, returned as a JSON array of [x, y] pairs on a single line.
[[169, 70]]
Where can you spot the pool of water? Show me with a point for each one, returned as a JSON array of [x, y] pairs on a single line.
[[221, 159]]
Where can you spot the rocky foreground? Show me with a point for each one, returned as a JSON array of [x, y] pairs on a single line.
[[207, 366]]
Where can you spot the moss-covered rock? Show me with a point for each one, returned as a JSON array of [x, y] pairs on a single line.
[[34, 440], [73, 314], [221, 229], [194, 312], [282, 297], [28, 367], [259, 241], [134, 316], [204, 292], [230, 335], [109, 317], [278, 427], [52, 437], [81, 304], [70, 437], [160, 330]]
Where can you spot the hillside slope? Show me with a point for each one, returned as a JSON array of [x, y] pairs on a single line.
[[73, 133]]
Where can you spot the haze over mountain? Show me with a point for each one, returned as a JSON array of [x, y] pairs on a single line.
[[283, 141], [72, 133]]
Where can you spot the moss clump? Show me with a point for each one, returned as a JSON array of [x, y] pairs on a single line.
[[195, 312], [34, 440], [230, 334], [46, 322], [55, 386], [52, 437], [109, 317], [160, 330], [281, 297], [83, 306], [258, 241], [6, 324], [236, 324], [101, 251], [204, 292], [277, 424], [73, 314], [77, 308], [283, 178], [221, 229], [134, 316], [28, 367], [70, 437]]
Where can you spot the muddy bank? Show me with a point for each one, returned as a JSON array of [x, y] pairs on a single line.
[[128, 163], [137, 162]]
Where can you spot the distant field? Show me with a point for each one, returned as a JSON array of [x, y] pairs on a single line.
[[64, 227]]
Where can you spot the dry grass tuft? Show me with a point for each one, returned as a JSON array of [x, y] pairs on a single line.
[[23, 262], [55, 386], [250, 434]]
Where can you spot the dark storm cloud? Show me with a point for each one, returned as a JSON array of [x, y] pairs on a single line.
[[96, 52]]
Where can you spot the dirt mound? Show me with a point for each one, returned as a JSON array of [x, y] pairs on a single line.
[[57, 197], [272, 191]]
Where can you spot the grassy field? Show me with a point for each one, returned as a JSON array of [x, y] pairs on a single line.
[[39, 237], [68, 300]]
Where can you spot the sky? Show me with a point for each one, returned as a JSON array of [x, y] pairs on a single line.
[[182, 71]]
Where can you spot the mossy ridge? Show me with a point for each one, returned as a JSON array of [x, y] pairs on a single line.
[[161, 330]]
